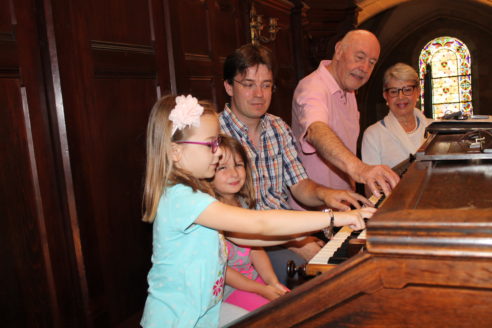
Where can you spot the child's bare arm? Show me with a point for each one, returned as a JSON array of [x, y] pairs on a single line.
[[261, 262], [237, 280], [277, 222], [263, 265]]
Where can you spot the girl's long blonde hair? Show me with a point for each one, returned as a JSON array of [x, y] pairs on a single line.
[[230, 147], [160, 171]]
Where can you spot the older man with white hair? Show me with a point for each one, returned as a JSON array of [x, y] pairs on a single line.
[[325, 117]]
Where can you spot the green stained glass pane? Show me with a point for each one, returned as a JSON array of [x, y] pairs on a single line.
[[465, 83], [467, 108]]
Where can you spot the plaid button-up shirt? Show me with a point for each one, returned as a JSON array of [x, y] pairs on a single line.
[[275, 165]]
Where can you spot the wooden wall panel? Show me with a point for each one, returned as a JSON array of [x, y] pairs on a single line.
[[119, 155], [194, 28], [125, 21], [192, 48], [227, 26], [283, 53], [109, 78], [204, 33], [229, 31], [35, 237], [23, 274]]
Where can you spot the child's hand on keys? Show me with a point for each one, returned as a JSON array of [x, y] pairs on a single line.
[[355, 219]]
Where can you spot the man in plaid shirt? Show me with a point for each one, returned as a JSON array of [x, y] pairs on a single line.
[[269, 143]]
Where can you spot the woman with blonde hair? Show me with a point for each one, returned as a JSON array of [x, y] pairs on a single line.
[[400, 133]]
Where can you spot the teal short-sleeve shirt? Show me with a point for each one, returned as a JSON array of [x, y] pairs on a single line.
[[188, 262]]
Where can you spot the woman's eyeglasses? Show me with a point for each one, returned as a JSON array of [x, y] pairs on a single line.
[[406, 90], [214, 144]]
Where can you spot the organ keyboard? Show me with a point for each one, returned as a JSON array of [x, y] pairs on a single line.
[[334, 252], [344, 244]]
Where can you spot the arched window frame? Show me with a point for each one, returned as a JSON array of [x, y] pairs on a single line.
[[459, 80]]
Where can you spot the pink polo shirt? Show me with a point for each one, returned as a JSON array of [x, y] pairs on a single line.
[[319, 98]]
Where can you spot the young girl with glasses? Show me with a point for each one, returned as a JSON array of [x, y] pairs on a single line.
[[186, 279]]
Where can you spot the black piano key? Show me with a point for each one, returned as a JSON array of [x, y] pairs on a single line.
[[337, 260], [340, 254], [380, 200]]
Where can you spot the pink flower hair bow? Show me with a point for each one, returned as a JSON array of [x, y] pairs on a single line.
[[186, 113]]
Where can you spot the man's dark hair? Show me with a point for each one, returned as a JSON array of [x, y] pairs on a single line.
[[248, 55]]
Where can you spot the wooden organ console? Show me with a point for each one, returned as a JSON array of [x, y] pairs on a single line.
[[428, 256]]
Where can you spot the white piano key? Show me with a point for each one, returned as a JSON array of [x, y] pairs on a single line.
[[331, 246], [363, 234]]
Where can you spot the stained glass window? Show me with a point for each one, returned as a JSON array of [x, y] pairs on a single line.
[[449, 62]]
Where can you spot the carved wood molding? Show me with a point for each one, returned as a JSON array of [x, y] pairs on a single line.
[[121, 47], [197, 57], [123, 60], [201, 78]]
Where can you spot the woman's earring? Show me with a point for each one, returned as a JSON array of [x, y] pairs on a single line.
[[387, 104]]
